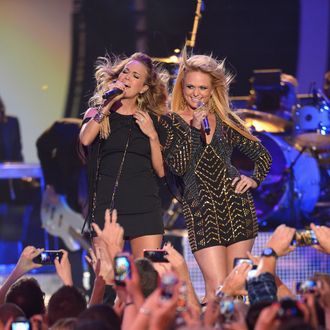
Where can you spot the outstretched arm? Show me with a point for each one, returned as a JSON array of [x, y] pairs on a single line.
[[25, 264]]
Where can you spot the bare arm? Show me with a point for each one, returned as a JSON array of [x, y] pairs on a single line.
[[89, 130], [98, 291], [156, 156], [280, 243], [180, 267], [146, 125], [24, 265]]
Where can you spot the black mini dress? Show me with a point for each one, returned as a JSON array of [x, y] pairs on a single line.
[[136, 197]]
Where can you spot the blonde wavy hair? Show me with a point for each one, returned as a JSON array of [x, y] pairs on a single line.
[[153, 100], [219, 100]]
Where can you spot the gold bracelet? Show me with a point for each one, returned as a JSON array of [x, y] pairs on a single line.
[[145, 311]]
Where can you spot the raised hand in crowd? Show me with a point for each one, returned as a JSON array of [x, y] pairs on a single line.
[[131, 294], [282, 289], [106, 245], [234, 283], [180, 267], [101, 262], [112, 233], [212, 313], [238, 322], [280, 240], [323, 292], [39, 322], [280, 243], [157, 313], [63, 268], [24, 264], [267, 319], [322, 234]]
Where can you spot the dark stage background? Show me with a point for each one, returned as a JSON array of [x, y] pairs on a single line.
[[249, 34]]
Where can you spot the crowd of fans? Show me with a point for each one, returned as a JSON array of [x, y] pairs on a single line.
[[161, 296]]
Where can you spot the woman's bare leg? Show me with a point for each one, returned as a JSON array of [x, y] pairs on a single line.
[[212, 262], [238, 250]]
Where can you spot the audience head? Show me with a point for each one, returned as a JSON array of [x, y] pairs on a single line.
[[10, 310], [27, 294], [103, 313], [67, 323], [254, 312], [91, 325], [148, 276], [67, 301]]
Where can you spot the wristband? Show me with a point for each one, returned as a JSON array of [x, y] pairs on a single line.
[[99, 116]]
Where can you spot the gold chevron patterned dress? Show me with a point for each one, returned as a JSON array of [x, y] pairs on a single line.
[[214, 214]]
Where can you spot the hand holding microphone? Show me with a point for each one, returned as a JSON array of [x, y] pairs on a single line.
[[205, 121], [115, 88], [111, 93]]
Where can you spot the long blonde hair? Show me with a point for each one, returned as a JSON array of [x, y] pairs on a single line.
[[153, 100], [220, 79]]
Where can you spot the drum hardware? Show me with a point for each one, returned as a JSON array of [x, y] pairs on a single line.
[[293, 193], [171, 215]]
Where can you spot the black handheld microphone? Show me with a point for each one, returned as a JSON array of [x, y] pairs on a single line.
[[205, 122], [112, 93]]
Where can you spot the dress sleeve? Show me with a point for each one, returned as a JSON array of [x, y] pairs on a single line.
[[175, 138], [255, 151]]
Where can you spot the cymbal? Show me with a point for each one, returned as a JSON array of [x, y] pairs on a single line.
[[312, 140], [263, 121]]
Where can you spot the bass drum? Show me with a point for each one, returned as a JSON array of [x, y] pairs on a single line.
[[273, 199]]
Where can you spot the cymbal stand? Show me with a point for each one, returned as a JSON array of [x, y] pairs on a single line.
[[295, 214]]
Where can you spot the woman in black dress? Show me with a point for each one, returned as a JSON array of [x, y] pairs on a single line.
[[125, 154], [217, 203]]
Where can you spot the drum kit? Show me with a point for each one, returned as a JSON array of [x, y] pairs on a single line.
[[299, 175]]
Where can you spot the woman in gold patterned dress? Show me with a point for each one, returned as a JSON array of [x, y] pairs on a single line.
[[217, 204]]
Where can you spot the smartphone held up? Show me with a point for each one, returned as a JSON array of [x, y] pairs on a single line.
[[305, 237], [122, 268], [155, 255], [47, 257]]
